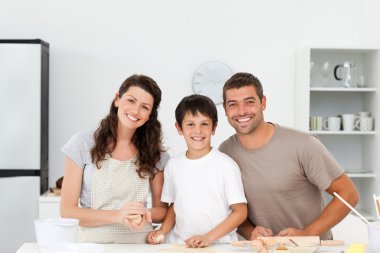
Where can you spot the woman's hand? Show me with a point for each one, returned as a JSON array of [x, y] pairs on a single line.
[[135, 215], [156, 237]]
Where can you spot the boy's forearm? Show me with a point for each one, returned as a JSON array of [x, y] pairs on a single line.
[[158, 213], [237, 216], [169, 221]]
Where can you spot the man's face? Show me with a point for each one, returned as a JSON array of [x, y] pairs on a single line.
[[244, 109]]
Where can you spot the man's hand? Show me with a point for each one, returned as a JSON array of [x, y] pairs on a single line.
[[292, 232], [198, 241], [261, 231]]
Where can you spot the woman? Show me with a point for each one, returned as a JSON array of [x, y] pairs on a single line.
[[111, 171]]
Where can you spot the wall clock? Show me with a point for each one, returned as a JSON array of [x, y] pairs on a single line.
[[209, 79]]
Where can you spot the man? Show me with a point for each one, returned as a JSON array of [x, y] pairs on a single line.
[[284, 171]]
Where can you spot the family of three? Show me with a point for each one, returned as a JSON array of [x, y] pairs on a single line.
[[265, 180]]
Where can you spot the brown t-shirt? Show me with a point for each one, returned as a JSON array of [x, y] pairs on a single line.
[[284, 179]]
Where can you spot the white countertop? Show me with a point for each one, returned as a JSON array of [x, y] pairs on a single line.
[[162, 248]]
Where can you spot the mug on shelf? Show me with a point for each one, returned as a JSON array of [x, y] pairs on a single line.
[[364, 123], [364, 114], [316, 123], [348, 122], [332, 124]]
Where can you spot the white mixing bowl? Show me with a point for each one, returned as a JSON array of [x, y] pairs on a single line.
[[374, 236], [52, 230]]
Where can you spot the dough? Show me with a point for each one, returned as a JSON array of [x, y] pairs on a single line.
[[159, 238], [137, 220]]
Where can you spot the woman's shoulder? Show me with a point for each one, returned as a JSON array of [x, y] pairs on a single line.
[[165, 157], [84, 139]]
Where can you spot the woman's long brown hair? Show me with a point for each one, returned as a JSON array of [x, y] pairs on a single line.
[[147, 138]]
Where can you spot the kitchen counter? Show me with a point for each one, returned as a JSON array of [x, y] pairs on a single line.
[[163, 248]]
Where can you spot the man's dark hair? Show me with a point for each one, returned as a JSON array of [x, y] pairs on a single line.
[[242, 79]]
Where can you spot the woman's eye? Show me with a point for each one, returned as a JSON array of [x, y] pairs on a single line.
[[130, 100]]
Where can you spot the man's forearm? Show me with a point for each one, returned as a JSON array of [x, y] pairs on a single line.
[[245, 229], [335, 211]]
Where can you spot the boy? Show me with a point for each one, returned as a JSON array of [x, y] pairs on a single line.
[[203, 185]]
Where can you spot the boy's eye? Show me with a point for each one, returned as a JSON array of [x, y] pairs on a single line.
[[190, 124], [204, 124]]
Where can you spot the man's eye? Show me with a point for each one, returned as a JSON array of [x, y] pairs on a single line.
[[231, 105]]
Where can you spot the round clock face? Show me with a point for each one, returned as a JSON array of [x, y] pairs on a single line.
[[209, 79]]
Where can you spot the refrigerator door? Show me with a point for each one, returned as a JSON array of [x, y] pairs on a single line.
[[19, 208], [20, 106]]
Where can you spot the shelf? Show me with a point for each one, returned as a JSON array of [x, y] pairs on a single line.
[[361, 175], [342, 89], [325, 96], [343, 132]]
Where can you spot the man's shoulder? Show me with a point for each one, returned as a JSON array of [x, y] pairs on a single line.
[[293, 133], [229, 143], [290, 138]]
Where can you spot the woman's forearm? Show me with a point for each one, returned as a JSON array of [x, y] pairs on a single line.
[[89, 217]]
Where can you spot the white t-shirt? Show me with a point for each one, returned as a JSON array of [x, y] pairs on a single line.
[[202, 191]]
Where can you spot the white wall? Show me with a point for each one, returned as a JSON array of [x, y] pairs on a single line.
[[95, 45]]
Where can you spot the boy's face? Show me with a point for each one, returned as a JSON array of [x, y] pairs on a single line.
[[197, 131]]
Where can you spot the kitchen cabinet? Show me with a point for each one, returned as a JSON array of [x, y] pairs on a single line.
[[319, 93], [49, 206]]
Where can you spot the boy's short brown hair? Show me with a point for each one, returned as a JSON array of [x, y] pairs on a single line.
[[196, 104]]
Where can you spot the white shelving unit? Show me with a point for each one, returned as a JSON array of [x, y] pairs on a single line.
[[322, 95]]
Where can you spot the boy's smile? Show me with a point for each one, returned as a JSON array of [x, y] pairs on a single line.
[[197, 131]]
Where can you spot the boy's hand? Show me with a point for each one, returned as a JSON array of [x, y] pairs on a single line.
[[198, 241], [156, 237]]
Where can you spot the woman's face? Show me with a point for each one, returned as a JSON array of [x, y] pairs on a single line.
[[134, 107]]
